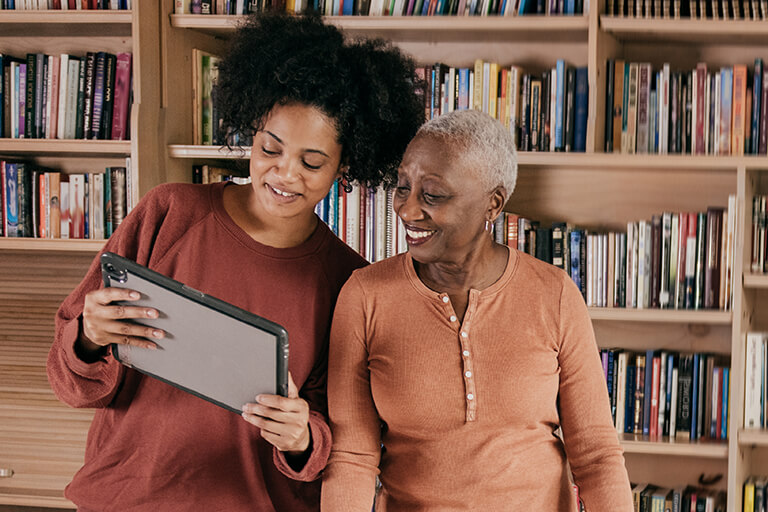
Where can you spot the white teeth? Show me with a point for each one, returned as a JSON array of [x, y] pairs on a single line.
[[418, 234], [284, 194]]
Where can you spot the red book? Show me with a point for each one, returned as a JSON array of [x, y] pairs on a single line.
[[3, 202], [53, 122], [122, 95], [739, 109], [681, 245], [512, 237], [701, 107], [656, 369]]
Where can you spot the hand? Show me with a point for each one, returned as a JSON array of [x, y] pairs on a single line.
[[105, 322], [284, 421]]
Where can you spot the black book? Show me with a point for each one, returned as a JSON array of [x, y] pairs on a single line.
[[544, 129], [105, 131], [29, 107], [24, 190], [655, 260], [90, 65], [674, 112], [684, 396], [544, 244], [610, 71], [80, 118], [559, 244], [569, 110], [701, 247], [39, 105], [689, 129], [525, 114]]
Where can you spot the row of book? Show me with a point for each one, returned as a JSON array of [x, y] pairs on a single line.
[[65, 96], [697, 112], [65, 5], [204, 174], [388, 7], [701, 9], [660, 393], [759, 234], [756, 380], [755, 494], [676, 260], [544, 112], [653, 498], [42, 203]]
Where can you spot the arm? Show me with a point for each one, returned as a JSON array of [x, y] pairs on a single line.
[[350, 479], [591, 442]]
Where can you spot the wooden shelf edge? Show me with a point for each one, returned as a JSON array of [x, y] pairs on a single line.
[[34, 498], [66, 147], [661, 315], [192, 151], [754, 437], [47, 244], [39, 17], [756, 280], [698, 30], [665, 446]]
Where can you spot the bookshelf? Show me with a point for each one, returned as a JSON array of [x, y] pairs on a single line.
[[42, 441]]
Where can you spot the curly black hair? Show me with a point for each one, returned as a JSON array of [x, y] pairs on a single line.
[[369, 88]]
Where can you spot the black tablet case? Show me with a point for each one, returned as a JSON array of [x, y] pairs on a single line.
[[212, 349]]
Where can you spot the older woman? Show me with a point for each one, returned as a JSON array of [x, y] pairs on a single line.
[[452, 366]]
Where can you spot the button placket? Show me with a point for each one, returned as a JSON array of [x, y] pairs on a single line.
[[468, 373]]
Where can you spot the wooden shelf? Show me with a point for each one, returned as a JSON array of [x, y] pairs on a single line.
[[681, 316], [192, 151], [707, 31], [43, 23], [419, 28], [756, 280], [666, 446], [754, 437], [49, 244], [64, 147]]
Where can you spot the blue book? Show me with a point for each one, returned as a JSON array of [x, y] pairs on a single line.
[[609, 381], [464, 89], [347, 11], [11, 200], [333, 208], [433, 93], [569, 7], [629, 407], [668, 392], [559, 106], [695, 396], [757, 93], [647, 393], [86, 206], [724, 413], [581, 107], [524, 7], [575, 241], [653, 123]]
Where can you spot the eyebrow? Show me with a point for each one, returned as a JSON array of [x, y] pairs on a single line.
[[278, 139]]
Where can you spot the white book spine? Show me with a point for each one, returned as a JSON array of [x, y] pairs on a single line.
[[641, 243], [353, 218], [662, 393], [380, 247], [753, 371], [673, 406], [621, 392]]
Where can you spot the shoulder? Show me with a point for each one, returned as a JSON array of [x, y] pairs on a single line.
[[383, 274], [171, 199], [337, 258], [536, 274]]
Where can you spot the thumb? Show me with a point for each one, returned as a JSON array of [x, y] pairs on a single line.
[[293, 391]]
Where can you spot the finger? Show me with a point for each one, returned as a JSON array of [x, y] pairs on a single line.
[[282, 403], [265, 424], [291, 418], [119, 311], [133, 341], [293, 391], [111, 294], [132, 329]]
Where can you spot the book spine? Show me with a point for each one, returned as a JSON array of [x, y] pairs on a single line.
[[739, 109], [105, 131], [712, 264], [90, 64], [581, 106], [121, 97], [80, 102], [570, 110], [643, 94], [701, 246], [757, 106], [98, 95], [610, 77], [30, 91], [655, 281]]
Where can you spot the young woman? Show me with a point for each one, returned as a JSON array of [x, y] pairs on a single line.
[[318, 110]]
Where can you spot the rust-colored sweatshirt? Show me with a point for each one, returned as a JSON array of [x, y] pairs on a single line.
[[467, 413]]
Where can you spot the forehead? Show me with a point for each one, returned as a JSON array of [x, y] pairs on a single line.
[[429, 155], [303, 125]]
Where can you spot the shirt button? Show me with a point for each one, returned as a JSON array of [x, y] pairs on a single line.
[[470, 396], [446, 299], [463, 334], [453, 318], [465, 353], [468, 374]]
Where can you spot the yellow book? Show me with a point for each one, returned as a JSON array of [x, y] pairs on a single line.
[[749, 495], [477, 94], [493, 90]]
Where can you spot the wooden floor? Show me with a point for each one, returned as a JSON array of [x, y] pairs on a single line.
[[16, 508]]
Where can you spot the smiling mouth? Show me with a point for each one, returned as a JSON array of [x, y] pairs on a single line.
[[415, 236], [282, 193]]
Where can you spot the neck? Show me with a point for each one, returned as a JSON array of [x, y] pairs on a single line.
[[476, 269], [278, 232]]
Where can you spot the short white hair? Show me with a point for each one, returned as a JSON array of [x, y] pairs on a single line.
[[481, 140]]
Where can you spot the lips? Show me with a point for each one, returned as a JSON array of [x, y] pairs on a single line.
[[280, 194], [417, 236]]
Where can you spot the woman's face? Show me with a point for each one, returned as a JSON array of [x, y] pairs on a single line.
[[443, 206], [294, 160]]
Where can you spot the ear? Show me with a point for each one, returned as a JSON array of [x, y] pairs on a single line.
[[496, 203]]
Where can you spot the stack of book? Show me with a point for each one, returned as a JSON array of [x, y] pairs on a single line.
[[387, 7], [41, 203], [660, 394], [65, 97], [544, 112], [65, 5], [759, 238], [756, 380], [697, 9], [652, 498], [696, 112], [755, 494], [676, 260]]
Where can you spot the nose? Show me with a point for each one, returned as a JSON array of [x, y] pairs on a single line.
[[287, 169], [408, 207]]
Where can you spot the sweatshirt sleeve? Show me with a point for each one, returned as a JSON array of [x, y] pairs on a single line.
[[75, 382], [591, 443], [314, 392], [349, 482]]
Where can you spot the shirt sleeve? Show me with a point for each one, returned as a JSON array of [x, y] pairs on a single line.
[[349, 482], [75, 382], [591, 442], [314, 392]]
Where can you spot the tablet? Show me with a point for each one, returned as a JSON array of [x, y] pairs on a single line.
[[212, 349]]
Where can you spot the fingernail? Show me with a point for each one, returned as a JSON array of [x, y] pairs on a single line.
[[135, 295], [151, 313], [157, 334], [152, 347]]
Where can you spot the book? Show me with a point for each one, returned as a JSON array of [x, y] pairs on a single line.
[[713, 261]]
